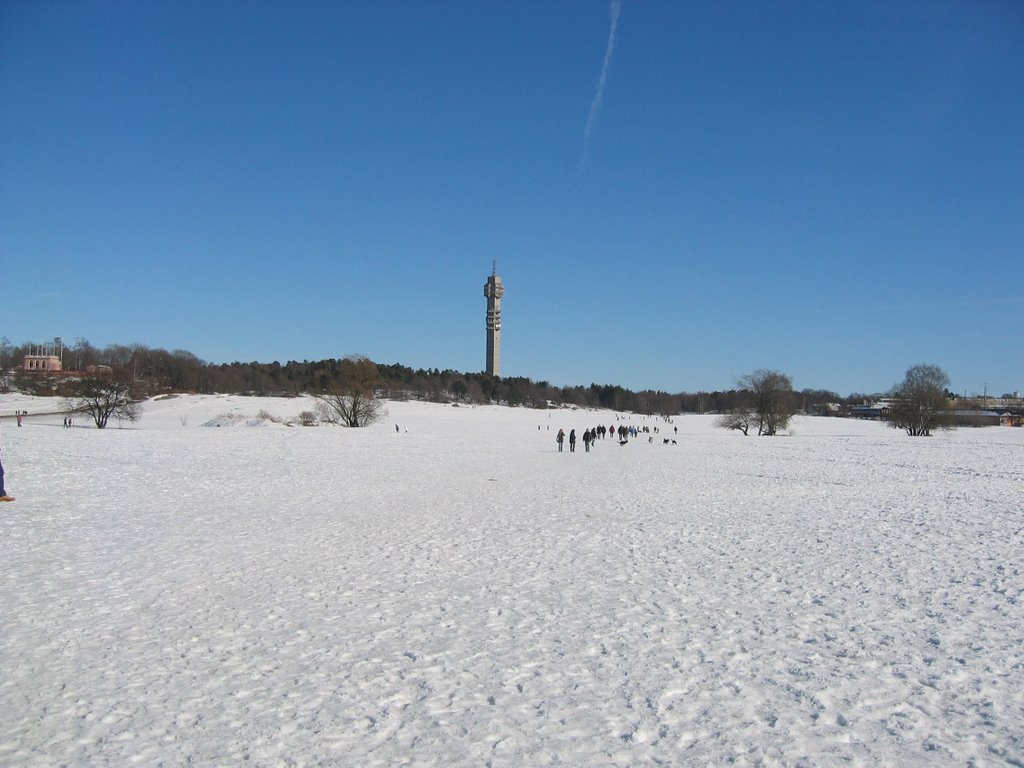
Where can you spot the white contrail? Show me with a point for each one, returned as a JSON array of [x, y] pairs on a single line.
[[595, 105]]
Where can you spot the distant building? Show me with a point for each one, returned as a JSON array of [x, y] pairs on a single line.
[[876, 410], [42, 364], [46, 358], [493, 291], [975, 417]]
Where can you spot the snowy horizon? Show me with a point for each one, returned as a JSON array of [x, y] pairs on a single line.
[[446, 588]]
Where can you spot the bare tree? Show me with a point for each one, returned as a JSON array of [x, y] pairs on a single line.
[[771, 399], [920, 403], [353, 401], [83, 354], [103, 396], [741, 419], [5, 352]]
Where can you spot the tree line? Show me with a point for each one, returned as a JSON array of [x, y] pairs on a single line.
[[108, 382], [154, 371]]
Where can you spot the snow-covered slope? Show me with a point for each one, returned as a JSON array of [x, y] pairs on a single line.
[[456, 592]]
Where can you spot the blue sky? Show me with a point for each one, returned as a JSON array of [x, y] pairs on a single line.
[[834, 190]]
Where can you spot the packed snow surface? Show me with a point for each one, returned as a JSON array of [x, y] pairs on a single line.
[[192, 590]]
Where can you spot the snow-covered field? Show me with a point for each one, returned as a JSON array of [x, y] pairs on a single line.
[[458, 593]]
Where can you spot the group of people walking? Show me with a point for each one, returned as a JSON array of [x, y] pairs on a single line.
[[622, 432], [590, 436]]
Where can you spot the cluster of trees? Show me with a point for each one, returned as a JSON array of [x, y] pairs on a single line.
[[154, 369], [920, 404], [107, 383]]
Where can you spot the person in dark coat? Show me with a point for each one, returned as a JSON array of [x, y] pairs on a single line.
[[3, 493], [560, 439], [572, 441], [587, 438]]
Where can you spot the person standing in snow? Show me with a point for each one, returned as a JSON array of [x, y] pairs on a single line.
[[560, 438], [3, 492], [587, 437], [572, 441]]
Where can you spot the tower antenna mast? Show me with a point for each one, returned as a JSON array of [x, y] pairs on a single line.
[[493, 291]]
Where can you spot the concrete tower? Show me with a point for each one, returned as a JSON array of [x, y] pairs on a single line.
[[493, 290]]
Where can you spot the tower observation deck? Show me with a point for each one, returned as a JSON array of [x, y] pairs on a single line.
[[493, 290]]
